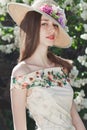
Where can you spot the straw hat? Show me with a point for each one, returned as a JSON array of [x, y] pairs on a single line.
[[48, 8]]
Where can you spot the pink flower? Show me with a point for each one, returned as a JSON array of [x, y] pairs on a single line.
[[25, 85], [55, 12], [47, 9]]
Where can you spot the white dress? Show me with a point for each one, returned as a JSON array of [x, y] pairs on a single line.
[[51, 98]]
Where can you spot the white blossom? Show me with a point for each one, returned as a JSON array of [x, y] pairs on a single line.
[[84, 36], [84, 15], [83, 5], [0, 32], [79, 100], [74, 73], [86, 50], [16, 35], [67, 2], [85, 27], [9, 48], [82, 60], [26, 1], [2, 48], [7, 37], [78, 83], [85, 116], [3, 2], [85, 102], [3, 10]]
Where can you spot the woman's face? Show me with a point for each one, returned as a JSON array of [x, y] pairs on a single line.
[[48, 32]]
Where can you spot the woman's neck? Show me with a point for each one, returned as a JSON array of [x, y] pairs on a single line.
[[39, 58]]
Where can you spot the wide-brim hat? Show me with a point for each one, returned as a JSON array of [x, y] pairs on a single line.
[[48, 8]]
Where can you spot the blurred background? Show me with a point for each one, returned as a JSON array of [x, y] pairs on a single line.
[[76, 14]]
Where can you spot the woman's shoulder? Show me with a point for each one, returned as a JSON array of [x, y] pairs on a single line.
[[20, 69]]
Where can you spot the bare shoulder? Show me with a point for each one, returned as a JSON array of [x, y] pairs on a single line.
[[20, 69]]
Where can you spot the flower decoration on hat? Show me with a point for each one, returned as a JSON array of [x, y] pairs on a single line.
[[56, 12]]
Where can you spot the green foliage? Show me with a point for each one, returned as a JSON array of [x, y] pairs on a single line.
[[2, 18]]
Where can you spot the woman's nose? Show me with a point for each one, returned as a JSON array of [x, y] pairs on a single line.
[[51, 28]]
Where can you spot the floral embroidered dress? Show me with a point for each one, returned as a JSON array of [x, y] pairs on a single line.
[[51, 98]]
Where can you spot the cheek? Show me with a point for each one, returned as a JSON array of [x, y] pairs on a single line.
[[56, 33], [42, 34]]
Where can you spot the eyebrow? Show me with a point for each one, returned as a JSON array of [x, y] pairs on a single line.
[[43, 19]]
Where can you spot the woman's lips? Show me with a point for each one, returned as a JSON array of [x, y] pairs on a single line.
[[51, 37]]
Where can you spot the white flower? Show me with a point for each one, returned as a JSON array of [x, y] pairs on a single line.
[[74, 73], [84, 15], [55, 9], [79, 100], [85, 27], [85, 116], [26, 1], [0, 32], [86, 50], [67, 2], [7, 37], [3, 2], [16, 34], [85, 102], [2, 48], [84, 36], [82, 94], [7, 48], [83, 5], [82, 59], [2, 10], [78, 83]]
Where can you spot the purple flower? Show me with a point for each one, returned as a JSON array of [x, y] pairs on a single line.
[[58, 15], [61, 21], [47, 9]]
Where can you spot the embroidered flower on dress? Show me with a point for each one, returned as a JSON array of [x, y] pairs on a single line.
[[25, 85], [44, 78]]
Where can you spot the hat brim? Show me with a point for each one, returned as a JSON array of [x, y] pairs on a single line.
[[18, 11]]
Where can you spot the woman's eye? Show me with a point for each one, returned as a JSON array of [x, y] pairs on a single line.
[[44, 24], [55, 25]]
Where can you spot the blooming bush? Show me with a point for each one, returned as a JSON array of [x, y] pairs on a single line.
[[76, 12], [8, 34]]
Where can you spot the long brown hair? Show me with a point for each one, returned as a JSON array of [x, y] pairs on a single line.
[[29, 34]]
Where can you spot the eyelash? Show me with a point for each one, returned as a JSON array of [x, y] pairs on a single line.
[[44, 24], [55, 25]]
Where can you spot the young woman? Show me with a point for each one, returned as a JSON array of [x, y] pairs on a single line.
[[40, 80]]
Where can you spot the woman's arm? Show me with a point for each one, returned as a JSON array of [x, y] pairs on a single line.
[[76, 120], [18, 100]]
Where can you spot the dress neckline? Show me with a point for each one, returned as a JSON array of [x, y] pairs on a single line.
[[42, 70]]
